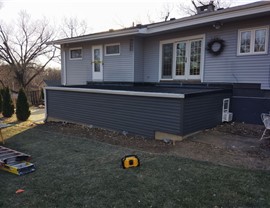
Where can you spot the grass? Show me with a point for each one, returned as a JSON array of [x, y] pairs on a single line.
[[80, 172]]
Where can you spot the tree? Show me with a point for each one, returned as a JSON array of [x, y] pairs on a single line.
[[22, 107], [23, 46], [1, 102], [72, 27], [189, 7], [8, 107]]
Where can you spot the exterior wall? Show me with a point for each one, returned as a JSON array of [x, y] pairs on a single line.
[[230, 68], [138, 60], [203, 112], [248, 103], [152, 51], [118, 68], [225, 68], [134, 114], [77, 71]]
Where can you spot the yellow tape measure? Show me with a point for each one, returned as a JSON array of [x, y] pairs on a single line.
[[130, 161]]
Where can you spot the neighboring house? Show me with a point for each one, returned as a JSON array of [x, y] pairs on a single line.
[[170, 76]]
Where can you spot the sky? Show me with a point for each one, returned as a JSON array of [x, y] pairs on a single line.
[[100, 15]]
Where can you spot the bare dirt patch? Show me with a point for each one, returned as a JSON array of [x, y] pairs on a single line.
[[234, 145]]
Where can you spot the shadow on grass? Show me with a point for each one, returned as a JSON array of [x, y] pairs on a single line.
[[79, 172]]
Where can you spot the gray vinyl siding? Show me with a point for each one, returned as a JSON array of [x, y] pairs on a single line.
[[117, 68], [78, 72], [230, 68], [225, 68], [203, 112], [134, 114], [152, 51], [151, 60], [138, 60]]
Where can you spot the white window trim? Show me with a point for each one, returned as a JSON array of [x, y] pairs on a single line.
[[112, 44], [188, 38], [252, 30], [77, 48]]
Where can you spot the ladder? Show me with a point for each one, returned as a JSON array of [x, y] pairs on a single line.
[[15, 162], [2, 125]]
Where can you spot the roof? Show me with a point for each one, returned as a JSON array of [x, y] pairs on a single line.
[[54, 83], [173, 91], [229, 14]]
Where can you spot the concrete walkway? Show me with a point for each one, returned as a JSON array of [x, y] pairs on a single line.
[[37, 115]]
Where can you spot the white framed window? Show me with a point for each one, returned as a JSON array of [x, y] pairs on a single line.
[[75, 53], [112, 49], [182, 58], [253, 41]]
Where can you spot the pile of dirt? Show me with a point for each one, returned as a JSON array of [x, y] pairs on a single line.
[[242, 129]]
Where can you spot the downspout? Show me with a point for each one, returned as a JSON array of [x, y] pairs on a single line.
[[45, 103], [64, 68]]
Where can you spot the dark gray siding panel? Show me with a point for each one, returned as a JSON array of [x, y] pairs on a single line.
[[138, 60], [203, 112], [249, 109], [138, 115]]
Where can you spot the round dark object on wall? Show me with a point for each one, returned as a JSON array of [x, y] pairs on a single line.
[[216, 46]]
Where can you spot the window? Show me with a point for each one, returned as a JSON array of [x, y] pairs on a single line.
[[112, 49], [167, 60], [75, 53], [253, 41], [182, 59]]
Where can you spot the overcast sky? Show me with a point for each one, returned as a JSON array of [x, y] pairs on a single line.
[[100, 15]]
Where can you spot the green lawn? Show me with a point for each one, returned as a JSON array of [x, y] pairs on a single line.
[[80, 172]]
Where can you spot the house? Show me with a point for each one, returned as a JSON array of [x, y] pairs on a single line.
[[176, 77]]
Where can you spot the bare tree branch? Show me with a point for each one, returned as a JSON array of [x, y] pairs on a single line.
[[189, 7], [22, 48], [72, 27]]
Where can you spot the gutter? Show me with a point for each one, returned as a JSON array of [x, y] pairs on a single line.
[[97, 36]]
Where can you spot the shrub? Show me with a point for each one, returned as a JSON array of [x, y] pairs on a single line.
[[8, 107], [22, 107]]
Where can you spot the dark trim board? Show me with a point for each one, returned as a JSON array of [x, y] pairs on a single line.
[[141, 115]]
